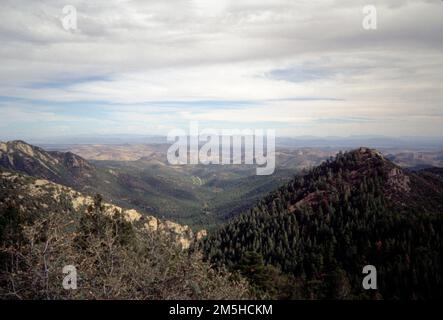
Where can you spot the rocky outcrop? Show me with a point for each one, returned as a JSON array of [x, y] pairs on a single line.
[[182, 234], [199, 235], [40, 191], [398, 181]]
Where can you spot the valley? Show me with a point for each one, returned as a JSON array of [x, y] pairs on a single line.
[[202, 196]]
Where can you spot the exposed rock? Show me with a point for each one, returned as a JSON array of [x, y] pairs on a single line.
[[201, 234], [3, 147], [182, 233], [152, 224], [39, 190], [40, 182], [398, 181], [132, 215]]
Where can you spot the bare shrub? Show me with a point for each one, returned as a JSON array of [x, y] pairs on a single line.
[[114, 260]]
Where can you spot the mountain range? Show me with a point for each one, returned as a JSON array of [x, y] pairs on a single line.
[[303, 234], [199, 196]]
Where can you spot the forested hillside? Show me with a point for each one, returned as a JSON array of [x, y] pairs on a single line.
[[312, 237]]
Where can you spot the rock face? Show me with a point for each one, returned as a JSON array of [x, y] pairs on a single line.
[[42, 193], [199, 235], [182, 234], [398, 180]]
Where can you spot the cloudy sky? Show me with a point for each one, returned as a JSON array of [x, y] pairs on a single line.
[[305, 67]]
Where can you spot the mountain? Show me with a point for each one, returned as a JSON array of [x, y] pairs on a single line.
[[417, 160], [64, 168], [312, 237], [61, 167], [360, 140]]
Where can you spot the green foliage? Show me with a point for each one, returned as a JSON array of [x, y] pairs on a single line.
[[267, 281], [11, 221], [197, 195], [324, 227], [94, 223]]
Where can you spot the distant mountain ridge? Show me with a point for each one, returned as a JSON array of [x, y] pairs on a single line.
[[61, 167], [183, 194]]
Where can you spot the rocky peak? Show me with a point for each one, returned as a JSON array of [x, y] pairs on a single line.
[[369, 153]]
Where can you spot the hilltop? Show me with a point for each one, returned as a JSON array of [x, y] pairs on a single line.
[[319, 230]]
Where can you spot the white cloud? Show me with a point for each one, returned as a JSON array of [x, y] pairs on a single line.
[[129, 52]]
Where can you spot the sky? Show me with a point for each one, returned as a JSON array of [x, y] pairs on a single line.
[[304, 67]]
